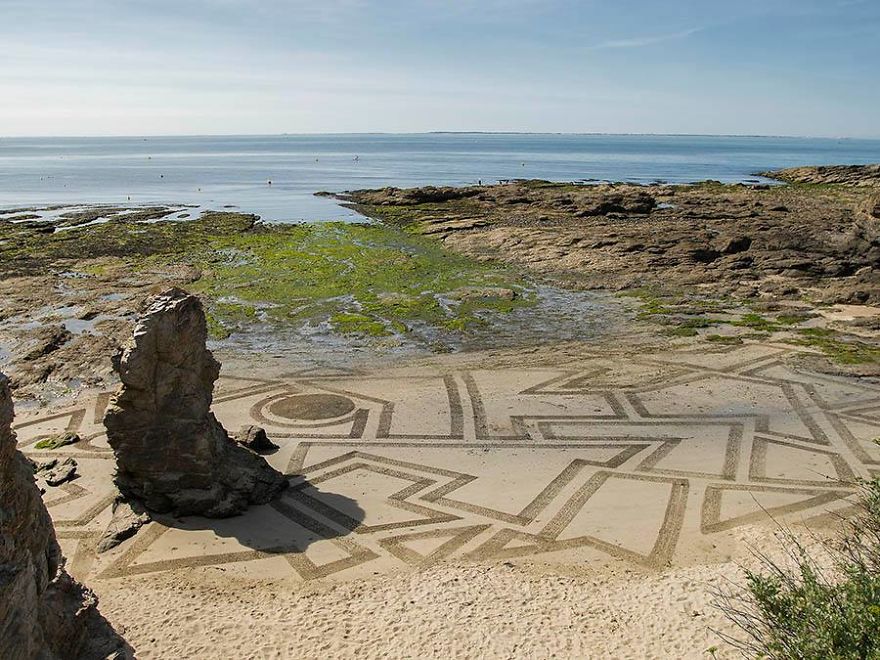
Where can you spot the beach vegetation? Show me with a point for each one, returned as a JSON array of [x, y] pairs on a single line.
[[757, 322], [817, 605]]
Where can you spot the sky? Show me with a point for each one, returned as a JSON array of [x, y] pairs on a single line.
[[170, 67]]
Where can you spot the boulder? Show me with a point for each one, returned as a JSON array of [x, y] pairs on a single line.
[[255, 439], [128, 518], [171, 453], [61, 472], [44, 613]]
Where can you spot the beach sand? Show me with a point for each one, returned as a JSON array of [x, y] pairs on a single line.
[[582, 503]]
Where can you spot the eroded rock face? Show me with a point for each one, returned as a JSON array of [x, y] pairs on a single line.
[[171, 452], [44, 613]]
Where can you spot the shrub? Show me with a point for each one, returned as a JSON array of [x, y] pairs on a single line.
[[815, 610]]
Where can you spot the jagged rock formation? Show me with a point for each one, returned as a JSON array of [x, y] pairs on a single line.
[[850, 175], [171, 452], [44, 613]]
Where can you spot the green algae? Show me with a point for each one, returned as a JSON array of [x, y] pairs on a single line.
[[365, 279], [57, 441], [847, 352], [757, 322]]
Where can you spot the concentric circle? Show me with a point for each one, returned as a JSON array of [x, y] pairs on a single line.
[[312, 406]]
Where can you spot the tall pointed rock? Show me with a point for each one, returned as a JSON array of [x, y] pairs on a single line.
[[171, 452]]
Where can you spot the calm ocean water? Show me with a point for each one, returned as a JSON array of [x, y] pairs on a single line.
[[217, 172]]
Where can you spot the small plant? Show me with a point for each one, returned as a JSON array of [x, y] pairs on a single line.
[[807, 609]]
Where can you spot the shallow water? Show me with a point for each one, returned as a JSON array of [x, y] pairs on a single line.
[[557, 316], [234, 172]]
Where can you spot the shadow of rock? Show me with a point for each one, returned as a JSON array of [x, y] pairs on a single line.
[[303, 515]]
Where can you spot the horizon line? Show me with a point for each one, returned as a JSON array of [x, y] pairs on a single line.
[[437, 132]]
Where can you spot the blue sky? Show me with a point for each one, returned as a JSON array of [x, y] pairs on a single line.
[[126, 67]]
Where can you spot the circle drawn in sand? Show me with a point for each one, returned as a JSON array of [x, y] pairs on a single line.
[[312, 406]]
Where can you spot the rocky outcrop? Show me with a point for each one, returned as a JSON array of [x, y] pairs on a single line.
[[44, 613], [171, 452], [849, 175], [731, 240], [411, 196]]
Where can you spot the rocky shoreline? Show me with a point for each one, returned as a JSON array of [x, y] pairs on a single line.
[[740, 240], [709, 261]]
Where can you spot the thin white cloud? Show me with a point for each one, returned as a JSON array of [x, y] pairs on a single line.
[[649, 40]]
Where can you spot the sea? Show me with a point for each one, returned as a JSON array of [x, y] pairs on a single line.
[[276, 176]]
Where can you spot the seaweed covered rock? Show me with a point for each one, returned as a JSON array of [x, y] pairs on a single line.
[[171, 452], [44, 613]]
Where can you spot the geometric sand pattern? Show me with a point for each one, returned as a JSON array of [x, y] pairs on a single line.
[[623, 460]]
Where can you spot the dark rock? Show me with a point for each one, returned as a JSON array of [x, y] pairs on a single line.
[[58, 440], [704, 255], [735, 245], [60, 472], [255, 439], [44, 613], [171, 452], [638, 202], [45, 340], [128, 518]]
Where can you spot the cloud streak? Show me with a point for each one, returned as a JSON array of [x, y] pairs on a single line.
[[648, 40]]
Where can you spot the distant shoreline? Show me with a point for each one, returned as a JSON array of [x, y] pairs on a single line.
[[442, 132]]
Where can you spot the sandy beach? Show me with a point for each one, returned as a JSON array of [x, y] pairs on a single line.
[[582, 510]]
